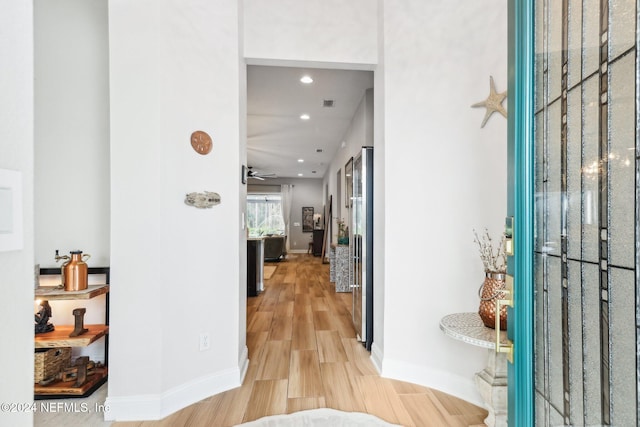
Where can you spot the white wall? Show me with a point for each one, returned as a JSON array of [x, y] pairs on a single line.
[[175, 68], [444, 176], [379, 201], [16, 153], [72, 144], [71, 130], [316, 31], [306, 193], [358, 134]]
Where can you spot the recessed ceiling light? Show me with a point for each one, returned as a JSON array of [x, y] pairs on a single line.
[[305, 116], [306, 80], [299, 174], [300, 160]]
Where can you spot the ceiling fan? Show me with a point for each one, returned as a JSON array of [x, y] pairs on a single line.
[[258, 175]]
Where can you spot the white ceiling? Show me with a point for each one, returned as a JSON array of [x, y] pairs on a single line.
[[277, 137]]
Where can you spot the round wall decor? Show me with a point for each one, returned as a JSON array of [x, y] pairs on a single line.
[[201, 142]]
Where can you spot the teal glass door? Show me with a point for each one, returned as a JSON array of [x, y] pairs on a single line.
[[575, 161]]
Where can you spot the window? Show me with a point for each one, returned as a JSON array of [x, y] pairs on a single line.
[[264, 214]]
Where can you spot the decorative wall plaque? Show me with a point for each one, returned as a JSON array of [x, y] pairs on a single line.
[[202, 200], [201, 142]]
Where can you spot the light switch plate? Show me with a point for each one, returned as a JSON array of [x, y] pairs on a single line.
[[10, 210]]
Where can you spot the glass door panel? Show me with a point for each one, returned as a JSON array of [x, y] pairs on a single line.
[[586, 231]]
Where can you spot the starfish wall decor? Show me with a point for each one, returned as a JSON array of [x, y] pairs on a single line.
[[493, 102]]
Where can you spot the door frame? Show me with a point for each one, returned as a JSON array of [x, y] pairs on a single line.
[[520, 197]]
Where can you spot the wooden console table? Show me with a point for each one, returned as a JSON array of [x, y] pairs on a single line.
[[492, 380]]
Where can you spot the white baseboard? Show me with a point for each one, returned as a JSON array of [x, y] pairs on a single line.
[[243, 363], [461, 387], [376, 356], [156, 407], [297, 251], [133, 408]]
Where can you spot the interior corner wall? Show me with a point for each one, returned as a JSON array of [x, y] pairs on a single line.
[[16, 266], [71, 130], [444, 176], [175, 67]]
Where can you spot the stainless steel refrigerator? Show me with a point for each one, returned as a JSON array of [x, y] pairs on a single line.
[[361, 239]]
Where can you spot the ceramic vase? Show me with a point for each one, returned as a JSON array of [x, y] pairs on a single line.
[[492, 289]]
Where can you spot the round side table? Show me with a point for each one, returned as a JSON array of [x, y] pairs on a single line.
[[492, 380]]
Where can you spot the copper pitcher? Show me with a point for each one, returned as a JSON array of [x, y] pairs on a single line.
[[75, 271]]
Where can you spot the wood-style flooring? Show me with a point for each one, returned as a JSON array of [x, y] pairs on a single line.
[[304, 355]]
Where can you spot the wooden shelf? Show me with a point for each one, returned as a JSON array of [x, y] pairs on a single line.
[[60, 337], [67, 389], [52, 293]]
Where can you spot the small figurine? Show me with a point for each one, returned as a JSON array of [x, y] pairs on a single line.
[[42, 324]]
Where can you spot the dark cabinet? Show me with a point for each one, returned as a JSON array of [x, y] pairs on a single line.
[[318, 238], [255, 264]]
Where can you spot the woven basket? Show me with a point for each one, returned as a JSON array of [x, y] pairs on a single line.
[[50, 362]]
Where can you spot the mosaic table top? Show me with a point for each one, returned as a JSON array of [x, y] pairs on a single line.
[[468, 327]]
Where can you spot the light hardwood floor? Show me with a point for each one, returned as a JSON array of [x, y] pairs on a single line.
[[304, 355]]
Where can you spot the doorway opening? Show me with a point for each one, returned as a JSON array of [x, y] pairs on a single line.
[[303, 126]]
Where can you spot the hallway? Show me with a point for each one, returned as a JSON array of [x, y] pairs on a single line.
[[304, 355]]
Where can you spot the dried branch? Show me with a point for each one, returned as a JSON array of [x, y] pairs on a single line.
[[493, 259]]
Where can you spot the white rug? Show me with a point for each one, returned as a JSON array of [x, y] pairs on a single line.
[[323, 417]]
